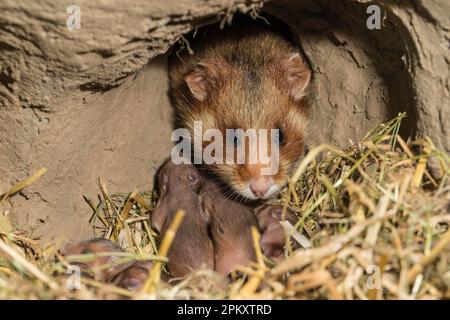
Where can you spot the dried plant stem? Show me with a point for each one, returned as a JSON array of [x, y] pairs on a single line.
[[304, 258], [23, 184], [310, 158], [420, 169], [107, 287], [155, 273], [426, 260], [252, 284], [128, 204], [31, 268]]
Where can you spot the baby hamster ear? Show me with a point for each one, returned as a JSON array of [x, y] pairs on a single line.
[[163, 179], [297, 76], [205, 77]]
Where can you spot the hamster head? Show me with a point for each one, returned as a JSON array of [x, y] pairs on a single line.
[[238, 92]]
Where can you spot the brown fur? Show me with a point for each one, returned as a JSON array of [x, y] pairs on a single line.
[[243, 78], [230, 230], [215, 232], [180, 188]]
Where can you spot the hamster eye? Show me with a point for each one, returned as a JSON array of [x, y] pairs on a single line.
[[234, 139], [193, 177], [279, 137]]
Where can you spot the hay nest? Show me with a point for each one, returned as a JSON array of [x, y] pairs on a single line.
[[376, 217]]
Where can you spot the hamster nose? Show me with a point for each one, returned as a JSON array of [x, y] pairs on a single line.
[[260, 186]]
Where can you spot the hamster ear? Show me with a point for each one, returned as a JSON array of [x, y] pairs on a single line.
[[205, 77], [297, 76], [197, 81]]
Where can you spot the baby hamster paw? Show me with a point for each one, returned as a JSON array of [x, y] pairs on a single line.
[[272, 233], [133, 277]]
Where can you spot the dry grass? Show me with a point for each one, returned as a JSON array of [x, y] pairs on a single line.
[[377, 219]]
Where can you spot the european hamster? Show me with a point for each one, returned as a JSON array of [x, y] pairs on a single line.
[[245, 77]]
